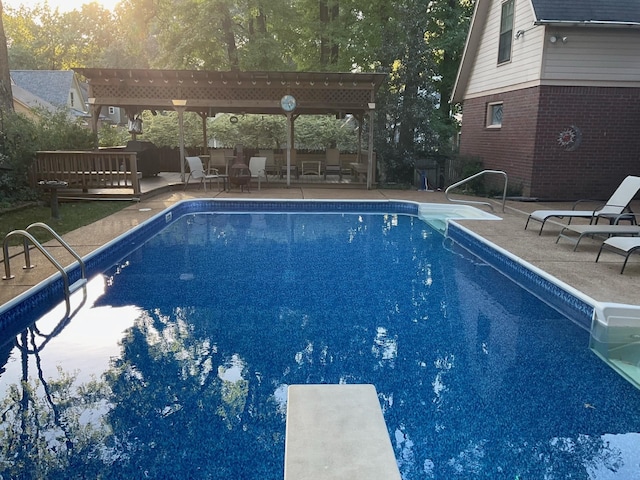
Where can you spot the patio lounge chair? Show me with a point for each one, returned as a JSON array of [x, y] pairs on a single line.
[[257, 167], [621, 245], [196, 170], [332, 165], [575, 233], [615, 210]]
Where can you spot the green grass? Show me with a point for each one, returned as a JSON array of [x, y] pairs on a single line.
[[71, 216]]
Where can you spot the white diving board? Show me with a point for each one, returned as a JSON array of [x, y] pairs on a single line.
[[337, 432]]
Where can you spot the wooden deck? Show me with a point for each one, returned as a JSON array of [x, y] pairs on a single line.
[[110, 174], [169, 181]]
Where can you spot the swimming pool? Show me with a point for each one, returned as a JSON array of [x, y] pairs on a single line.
[[477, 378]]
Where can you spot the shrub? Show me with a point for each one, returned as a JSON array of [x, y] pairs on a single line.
[[21, 137], [58, 131], [18, 144]]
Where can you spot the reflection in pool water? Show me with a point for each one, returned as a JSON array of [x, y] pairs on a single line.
[[178, 365]]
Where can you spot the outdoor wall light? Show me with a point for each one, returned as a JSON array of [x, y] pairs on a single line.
[[556, 38], [519, 33]]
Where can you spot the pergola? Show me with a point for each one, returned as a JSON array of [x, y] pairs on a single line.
[[209, 93]]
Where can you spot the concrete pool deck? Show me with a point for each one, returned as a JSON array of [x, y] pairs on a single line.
[[601, 281]]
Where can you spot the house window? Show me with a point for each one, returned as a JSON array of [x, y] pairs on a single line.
[[506, 32], [71, 98], [112, 110], [494, 115]]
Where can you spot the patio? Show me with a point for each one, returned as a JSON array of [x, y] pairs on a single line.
[[601, 281]]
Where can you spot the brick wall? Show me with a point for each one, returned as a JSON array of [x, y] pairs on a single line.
[[527, 146]]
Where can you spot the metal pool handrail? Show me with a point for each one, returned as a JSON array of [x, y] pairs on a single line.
[[26, 236], [468, 179]]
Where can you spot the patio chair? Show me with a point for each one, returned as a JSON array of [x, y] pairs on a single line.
[[196, 170], [218, 161], [257, 167], [614, 210], [332, 165], [624, 246]]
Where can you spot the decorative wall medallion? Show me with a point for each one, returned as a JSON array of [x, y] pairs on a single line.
[[570, 138]]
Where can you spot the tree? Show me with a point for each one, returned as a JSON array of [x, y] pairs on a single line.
[[417, 44], [446, 35], [6, 97], [41, 38]]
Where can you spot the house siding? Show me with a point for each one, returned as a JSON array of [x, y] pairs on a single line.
[[527, 147], [610, 58], [526, 56]]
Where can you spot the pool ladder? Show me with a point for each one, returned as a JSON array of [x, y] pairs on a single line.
[[27, 237]]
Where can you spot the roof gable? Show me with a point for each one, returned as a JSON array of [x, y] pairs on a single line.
[[568, 13], [29, 100], [52, 86]]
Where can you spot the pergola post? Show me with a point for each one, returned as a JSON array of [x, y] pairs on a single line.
[[372, 107], [289, 142], [95, 115], [180, 106], [205, 140]]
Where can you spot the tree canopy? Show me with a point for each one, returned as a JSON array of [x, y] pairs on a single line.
[[418, 44]]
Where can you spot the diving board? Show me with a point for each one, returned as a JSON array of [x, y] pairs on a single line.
[[337, 432]]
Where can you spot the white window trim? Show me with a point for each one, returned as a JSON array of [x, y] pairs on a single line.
[[489, 115], [508, 34]]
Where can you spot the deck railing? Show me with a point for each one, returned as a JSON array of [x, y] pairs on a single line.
[[88, 170]]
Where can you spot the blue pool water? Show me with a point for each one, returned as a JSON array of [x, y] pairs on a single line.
[[178, 365]]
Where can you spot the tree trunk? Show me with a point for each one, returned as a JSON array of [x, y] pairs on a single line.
[[328, 47], [229, 37], [6, 97]]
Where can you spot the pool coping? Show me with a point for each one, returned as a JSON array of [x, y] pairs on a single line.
[[572, 303]]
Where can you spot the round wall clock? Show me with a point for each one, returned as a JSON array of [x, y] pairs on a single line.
[[570, 138], [288, 103]]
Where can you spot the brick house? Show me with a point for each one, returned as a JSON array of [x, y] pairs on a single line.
[[551, 94]]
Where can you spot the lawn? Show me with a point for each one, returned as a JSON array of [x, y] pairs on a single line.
[[72, 215]]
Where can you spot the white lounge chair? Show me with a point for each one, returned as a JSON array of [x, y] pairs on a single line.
[[196, 170], [624, 246], [613, 210], [257, 167], [575, 233]]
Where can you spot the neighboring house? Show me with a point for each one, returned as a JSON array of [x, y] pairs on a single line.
[[551, 94], [111, 115], [60, 88], [55, 89], [27, 103]]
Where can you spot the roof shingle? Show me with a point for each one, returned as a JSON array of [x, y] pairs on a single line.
[[50, 85], [587, 11]]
